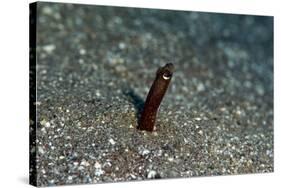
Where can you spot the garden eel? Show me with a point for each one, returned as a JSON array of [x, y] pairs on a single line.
[[155, 96]]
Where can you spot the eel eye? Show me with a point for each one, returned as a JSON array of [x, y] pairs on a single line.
[[166, 76]]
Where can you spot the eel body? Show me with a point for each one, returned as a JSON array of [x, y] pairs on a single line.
[[155, 96]]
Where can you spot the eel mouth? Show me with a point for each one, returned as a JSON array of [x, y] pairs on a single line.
[[170, 67]]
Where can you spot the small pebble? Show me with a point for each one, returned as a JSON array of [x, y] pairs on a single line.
[[151, 174]]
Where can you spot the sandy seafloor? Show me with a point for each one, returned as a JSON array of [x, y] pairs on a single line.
[[95, 66]]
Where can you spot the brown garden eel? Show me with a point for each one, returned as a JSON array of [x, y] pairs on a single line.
[[155, 96]]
